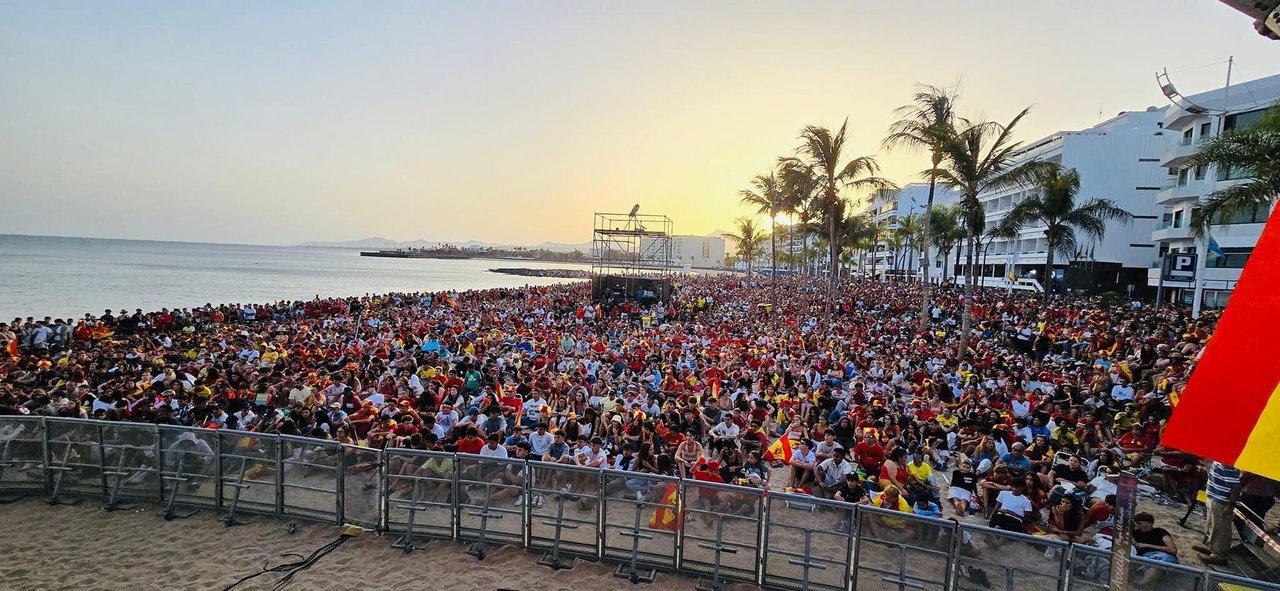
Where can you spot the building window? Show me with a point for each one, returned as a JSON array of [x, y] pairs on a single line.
[[1253, 215], [1233, 173], [1206, 130], [1182, 177], [1238, 120], [1232, 258], [1200, 172], [1177, 219], [1186, 137], [1215, 299]]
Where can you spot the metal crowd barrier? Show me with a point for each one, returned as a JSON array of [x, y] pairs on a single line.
[[641, 522]]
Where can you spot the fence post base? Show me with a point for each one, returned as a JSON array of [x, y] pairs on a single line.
[[480, 548], [405, 542], [631, 571], [179, 479], [230, 519], [552, 559]]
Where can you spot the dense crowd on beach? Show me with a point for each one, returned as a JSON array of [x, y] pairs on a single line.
[[1026, 428]]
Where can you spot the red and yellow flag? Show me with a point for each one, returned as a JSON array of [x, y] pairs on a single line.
[[1230, 410], [779, 451], [668, 514]]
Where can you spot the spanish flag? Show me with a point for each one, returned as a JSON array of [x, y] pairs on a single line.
[[667, 516], [1230, 410], [779, 451]]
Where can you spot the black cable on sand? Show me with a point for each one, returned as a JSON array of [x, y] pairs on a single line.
[[291, 569]]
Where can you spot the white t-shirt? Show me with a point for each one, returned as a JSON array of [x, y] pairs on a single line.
[[1016, 504], [497, 452], [1021, 408], [586, 457], [724, 429], [533, 409], [1101, 487], [538, 444]]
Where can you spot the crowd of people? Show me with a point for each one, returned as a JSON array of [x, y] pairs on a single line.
[[1027, 426]]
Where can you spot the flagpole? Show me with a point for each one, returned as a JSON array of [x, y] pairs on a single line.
[[1202, 246]]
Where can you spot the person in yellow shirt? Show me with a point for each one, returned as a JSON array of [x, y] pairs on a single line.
[[890, 499]]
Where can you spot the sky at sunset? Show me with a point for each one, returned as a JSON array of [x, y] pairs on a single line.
[[283, 122]]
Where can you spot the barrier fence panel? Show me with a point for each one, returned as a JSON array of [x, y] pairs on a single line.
[[362, 470], [729, 533], [1090, 568], [22, 455], [309, 482], [419, 498], [808, 542], [901, 551], [250, 472], [996, 559], [1153, 574], [648, 525], [721, 530], [560, 520], [488, 493], [131, 464], [189, 467], [74, 457]]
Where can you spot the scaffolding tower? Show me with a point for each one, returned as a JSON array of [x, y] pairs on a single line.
[[632, 256]]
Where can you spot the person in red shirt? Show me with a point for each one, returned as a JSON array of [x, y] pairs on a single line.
[[869, 453], [472, 443], [1135, 441]]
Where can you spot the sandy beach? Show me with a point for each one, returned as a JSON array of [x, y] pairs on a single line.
[[84, 547]]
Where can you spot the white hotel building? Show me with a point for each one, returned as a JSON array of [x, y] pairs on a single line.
[[1193, 120], [890, 206], [1119, 159]]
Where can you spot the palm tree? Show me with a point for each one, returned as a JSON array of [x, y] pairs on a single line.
[[911, 228], [1053, 205], [822, 159], [747, 240], [769, 199], [797, 197], [856, 234], [946, 233], [923, 124], [979, 156], [1254, 148]]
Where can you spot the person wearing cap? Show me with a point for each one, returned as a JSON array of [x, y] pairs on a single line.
[[869, 454], [1016, 458]]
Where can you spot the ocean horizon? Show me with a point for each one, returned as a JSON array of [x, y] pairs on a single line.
[[67, 277]]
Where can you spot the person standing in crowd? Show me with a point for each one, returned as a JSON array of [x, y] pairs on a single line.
[[1223, 491]]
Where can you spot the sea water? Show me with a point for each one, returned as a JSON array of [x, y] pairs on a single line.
[[68, 277]]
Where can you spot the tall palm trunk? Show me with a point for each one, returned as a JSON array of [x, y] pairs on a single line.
[[1048, 272], [791, 248], [773, 249], [967, 316], [924, 245], [833, 264]]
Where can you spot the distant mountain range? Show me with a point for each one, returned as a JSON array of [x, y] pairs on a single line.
[[380, 243]]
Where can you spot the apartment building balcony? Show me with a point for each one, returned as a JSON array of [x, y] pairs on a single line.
[[1183, 151], [1175, 190], [1168, 231]]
